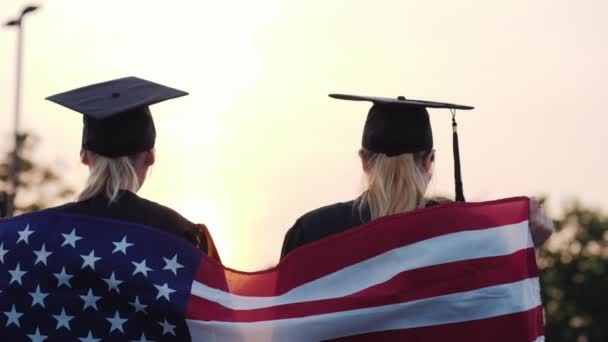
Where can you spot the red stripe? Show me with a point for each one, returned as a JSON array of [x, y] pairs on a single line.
[[411, 285], [519, 327], [331, 254]]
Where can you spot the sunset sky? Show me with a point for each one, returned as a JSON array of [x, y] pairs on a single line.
[[258, 142]]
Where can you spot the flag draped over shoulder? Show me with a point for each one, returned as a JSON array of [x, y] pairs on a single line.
[[459, 271]]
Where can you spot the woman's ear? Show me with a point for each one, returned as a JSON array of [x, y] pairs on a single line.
[[150, 157], [85, 157], [427, 162], [364, 161]]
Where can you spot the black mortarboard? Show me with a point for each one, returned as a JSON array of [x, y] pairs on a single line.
[[117, 120], [397, 125]]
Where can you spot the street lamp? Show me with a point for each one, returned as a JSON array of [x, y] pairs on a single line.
[[18, 23]]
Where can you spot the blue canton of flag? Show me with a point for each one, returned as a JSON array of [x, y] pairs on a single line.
[[69, 277]]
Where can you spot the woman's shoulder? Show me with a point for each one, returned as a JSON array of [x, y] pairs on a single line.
[[131, 208], [154, 213], [159, 210], [334, 217], [320, 223], [170, 220], [330, 210], [433, 201]]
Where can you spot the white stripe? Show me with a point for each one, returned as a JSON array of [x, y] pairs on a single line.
[[540, 339], [458, 246], [458, 307]]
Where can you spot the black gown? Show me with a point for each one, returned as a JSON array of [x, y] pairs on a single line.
[[325, 221], [131, 208]]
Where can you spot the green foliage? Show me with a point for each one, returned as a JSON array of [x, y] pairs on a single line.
[[40, 185], [573, 277]]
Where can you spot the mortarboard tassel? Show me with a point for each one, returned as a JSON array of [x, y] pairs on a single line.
[[457, 174]]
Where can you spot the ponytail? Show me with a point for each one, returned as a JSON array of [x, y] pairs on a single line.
[[395, 184], [108, 176]]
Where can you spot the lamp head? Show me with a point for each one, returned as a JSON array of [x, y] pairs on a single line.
[[28, 9]]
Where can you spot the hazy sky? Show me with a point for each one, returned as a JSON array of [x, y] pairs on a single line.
[[258, 142]]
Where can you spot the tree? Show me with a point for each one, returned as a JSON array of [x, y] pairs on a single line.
[[573, 277], [40, 185]]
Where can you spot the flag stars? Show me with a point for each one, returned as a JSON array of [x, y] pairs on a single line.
[[41, 255], [112, 283], [38, 297], [121, 246], [164, 291], [70, 239], [13, 317], [16, 275], [172, 264], [89, 338], [24, 235], [2, 252], [90, 300], [141, 268], [37, 337], [63, 278], [89, 260], [139, 307], [63, 320], [167, 327], [116, 322]]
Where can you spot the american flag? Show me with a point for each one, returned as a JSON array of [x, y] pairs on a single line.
[[459, 271]]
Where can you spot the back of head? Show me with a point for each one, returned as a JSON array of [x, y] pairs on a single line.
[[400, 126], [110, 175], [395, 184]]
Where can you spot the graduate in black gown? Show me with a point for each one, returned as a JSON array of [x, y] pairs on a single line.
[[118, 147], [397, 158]]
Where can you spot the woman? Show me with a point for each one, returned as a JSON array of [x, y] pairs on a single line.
[[397, 158], [118, 147]]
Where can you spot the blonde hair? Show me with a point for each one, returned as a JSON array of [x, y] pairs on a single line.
[[394, 184], [109, 176]]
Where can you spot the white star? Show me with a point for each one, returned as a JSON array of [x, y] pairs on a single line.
[[172, 264], [121, 246], [90, 300], [13, 317], [142, 339], [38, 297], [37, 337], [24, 235], [63, 278], [70, 239], [116, 322], [138, 306], [89, 260], [16, 275], [167, 327], [41, 255], [112, 283], [141, 268], [2, 252], [163, 291], [89, 338], [63, 320]]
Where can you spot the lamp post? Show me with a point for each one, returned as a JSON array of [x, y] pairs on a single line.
[[18, 24]]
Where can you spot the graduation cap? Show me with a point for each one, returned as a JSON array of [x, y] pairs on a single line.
[[398, 125], [117, 120]]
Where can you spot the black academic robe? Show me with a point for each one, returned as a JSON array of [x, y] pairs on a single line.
[[325, 221], [131, 208]]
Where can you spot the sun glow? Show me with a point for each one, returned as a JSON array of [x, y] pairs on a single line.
[[203, 210]]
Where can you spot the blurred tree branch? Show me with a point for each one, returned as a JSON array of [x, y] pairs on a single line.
[[573, 277], [40, 185]]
